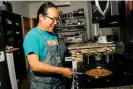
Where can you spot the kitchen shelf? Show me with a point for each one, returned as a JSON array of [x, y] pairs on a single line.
[[71, 31], [72, 41], [69, 26], [75, 42], [71, 18], [69, 36]]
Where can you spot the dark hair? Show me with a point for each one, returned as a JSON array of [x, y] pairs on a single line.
[[43, 9]]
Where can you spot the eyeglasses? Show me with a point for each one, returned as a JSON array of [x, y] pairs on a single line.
[[57, 19]]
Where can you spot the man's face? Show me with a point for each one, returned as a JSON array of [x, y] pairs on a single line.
[[50, 20]]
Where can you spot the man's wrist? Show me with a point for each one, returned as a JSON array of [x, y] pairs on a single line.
[[59, 70]]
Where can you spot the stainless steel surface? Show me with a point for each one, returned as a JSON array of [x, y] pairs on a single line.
[[77, 73]]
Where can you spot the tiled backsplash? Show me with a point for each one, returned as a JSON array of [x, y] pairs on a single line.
[[109, 31]]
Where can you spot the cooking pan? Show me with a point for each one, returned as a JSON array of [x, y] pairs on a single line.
[[96, 72]]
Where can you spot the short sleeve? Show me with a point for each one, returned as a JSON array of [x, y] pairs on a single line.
[[31, 44]]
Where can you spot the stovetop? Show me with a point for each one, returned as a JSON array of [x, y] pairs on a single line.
[[117, 87], [110, 81], [122, 74]]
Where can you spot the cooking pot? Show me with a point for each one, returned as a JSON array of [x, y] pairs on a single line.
[[95, 71], [97, 59]]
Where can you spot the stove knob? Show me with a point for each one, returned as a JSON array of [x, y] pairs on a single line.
[[76, 83], [75, 77]]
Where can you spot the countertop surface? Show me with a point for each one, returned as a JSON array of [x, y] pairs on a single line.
[[11, 50], [119, 87]]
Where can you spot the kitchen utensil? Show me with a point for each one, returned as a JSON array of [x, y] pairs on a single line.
[[96, 72]]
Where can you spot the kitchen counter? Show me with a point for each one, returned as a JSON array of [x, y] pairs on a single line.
[[119, 87], [11, 50], [122, 77]]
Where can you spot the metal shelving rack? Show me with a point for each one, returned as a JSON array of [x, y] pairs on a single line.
[[72, 29]]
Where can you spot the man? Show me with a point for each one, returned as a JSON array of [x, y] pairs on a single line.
[[43, 52]]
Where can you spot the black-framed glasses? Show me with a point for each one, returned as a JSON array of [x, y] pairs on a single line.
[[57, 19]]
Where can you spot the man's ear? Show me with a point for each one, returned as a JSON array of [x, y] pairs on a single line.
[[41, 17]]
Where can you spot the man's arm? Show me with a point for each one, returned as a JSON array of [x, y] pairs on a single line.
[[39, 66]]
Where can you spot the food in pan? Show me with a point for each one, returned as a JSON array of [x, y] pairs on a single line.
[[99, 72]]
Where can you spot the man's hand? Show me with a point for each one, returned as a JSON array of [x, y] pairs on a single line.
[[67, 72]]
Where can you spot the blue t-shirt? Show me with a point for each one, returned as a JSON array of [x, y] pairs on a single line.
[[34, 42]]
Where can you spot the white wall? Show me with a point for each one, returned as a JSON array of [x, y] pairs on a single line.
[[20, 7], [1, 3], [33, 7]]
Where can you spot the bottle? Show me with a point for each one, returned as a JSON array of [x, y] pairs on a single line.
[[71, 14], [81, 12], [78, 22], [74, 13], [68, 15]]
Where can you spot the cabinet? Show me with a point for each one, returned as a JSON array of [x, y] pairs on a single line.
[[72, 29], [11, 28]]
